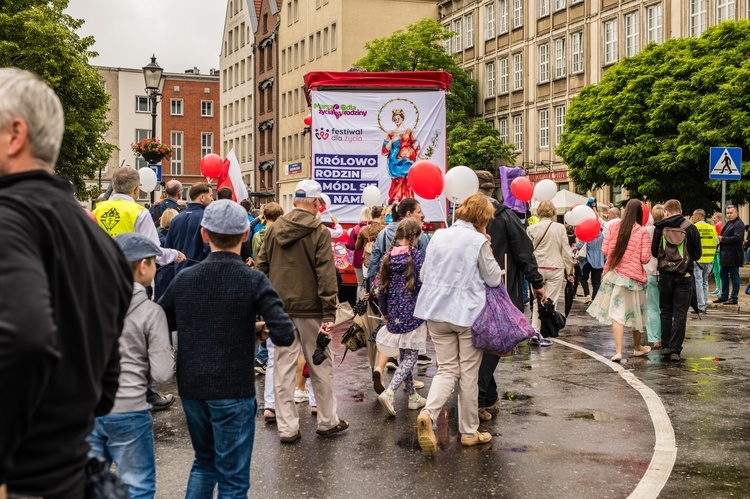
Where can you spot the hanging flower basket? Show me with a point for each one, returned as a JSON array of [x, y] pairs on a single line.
[[152, 150]]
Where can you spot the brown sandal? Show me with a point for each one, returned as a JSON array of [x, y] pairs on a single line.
[[484, 414], [343, 425]]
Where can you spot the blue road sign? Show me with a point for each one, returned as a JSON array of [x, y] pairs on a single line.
[[157, 170], [725, 163]]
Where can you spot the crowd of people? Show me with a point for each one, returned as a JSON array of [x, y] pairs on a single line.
[[96, 311]]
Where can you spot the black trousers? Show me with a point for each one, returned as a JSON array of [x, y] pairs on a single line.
[[675, 293], [596, 280]]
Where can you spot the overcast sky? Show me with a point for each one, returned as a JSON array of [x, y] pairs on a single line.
[[181, 33]]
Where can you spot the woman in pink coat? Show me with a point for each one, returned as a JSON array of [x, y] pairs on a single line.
[[621, 300]]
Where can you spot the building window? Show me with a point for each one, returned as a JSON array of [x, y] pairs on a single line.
[[270, 100], [470, 74], [490, 92], [142, 104], [289, 17], [207, 108], [544, 128], [141, 134], [653, 22], [518, 71], [457, 46], [576, 52], [489, 24], [503, 16], [610, 42], [560, 58], [631, 34], [176, 107], [325, 40], [262, 142], [559, 123], [207, 143], [447, 39], [283, 148], [269, 136], [469, 20], [318, 46], [311, 47], [543, 8], [517, 13], [296, 56], [724, 10], [559, 5], [543, 63], [175, 163], [296, 10], [503, 76], [698, 17], [334, 42], [518, 132], [503, 128], [261, 101]]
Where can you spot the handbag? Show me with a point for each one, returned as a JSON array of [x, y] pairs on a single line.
[[580, 253], [500, 326], [551, 320], [344, 313]]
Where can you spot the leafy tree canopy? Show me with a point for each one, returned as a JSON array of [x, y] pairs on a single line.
[[38, 36], [419, 48], [649, 124], [477, 145]]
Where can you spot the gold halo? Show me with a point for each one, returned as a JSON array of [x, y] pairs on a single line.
[[416, 112]]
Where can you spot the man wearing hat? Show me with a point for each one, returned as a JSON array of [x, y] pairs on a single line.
[[125, 436], [213, 306], [297, 257], [514, 253]]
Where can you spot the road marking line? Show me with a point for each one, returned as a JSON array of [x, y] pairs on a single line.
[[665, 448]]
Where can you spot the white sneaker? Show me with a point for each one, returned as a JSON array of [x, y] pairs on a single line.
[[301, 396], [418, 385], [417, 402], [386, 400]]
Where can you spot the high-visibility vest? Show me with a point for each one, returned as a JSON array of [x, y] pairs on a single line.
[[117, 216], [708, 241]]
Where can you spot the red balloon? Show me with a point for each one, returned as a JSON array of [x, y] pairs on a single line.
[[426, 179], [571, 208], [211, 165], [522, 189], [645, 213], [308, 120], [588, 230]]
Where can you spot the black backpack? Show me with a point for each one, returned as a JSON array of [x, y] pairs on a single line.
[[672, 255]]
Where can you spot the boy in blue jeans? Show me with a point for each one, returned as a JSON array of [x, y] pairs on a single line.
[[126, 434], [213, 307]]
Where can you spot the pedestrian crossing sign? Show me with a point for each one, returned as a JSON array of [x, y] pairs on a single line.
[[725, 163]]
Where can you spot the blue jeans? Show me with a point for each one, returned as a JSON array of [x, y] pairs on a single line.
[[262, 355], [702, 271], [730, 275], [127, 439], [222, 433]]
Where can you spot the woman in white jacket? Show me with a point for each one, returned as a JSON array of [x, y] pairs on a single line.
[[458, 264]]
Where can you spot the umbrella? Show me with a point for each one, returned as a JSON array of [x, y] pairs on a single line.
[[569, 295], [564, 200]]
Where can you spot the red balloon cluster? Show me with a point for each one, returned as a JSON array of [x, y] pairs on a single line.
[[522, 189], [211, 165], [587, 230], [426, 179]]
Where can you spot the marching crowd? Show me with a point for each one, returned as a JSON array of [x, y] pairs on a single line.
[[83, 336]]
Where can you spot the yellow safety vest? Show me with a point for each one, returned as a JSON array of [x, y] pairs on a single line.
[[117, 216], [533, 219], [708, 241]]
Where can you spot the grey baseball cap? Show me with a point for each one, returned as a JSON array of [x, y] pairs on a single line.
[[225, 217], [136, 246]]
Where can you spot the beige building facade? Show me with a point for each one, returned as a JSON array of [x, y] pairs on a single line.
[[325, 35], [531, 57]]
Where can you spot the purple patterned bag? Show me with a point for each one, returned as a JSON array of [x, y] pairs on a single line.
[[500, 326]]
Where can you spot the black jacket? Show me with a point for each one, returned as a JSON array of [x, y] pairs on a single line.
[[65, 288], [730, 246], [508, 236], [692, 238]]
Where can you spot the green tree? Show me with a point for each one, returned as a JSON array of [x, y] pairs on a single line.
[[419, 48], [477, 145], [649, 124], [38, 36]]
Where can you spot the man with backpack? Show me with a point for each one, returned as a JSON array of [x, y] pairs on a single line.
[[676, 246]]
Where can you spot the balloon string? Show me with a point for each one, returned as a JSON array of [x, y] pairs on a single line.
[[442, 210], [453, 213]]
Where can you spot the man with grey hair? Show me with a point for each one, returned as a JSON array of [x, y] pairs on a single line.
[[296, 254], [65, 288], [173, 190]]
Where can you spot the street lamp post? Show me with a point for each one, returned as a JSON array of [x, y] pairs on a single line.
[[153, 75]]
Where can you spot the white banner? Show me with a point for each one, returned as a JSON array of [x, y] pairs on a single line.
[[372, 137]]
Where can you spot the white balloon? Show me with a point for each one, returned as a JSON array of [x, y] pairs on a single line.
[[581, 213], [545, 190], [148, 179], [567, 218], [371, 196], [460, 183]]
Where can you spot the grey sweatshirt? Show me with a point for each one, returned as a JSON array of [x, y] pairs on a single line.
[[144, 350]]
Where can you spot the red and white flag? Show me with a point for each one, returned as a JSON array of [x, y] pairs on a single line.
[[231, 176]]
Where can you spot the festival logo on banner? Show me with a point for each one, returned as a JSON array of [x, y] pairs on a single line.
[[362, 139]]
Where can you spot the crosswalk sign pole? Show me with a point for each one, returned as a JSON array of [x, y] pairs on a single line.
[[723, 203]]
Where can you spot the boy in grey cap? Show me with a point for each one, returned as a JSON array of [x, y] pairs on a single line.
[[213, 307], [126, 434]]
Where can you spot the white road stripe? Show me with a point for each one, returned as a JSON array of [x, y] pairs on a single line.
[[665, 448]]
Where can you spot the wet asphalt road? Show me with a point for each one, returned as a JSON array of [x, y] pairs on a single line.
[[570, 426]]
